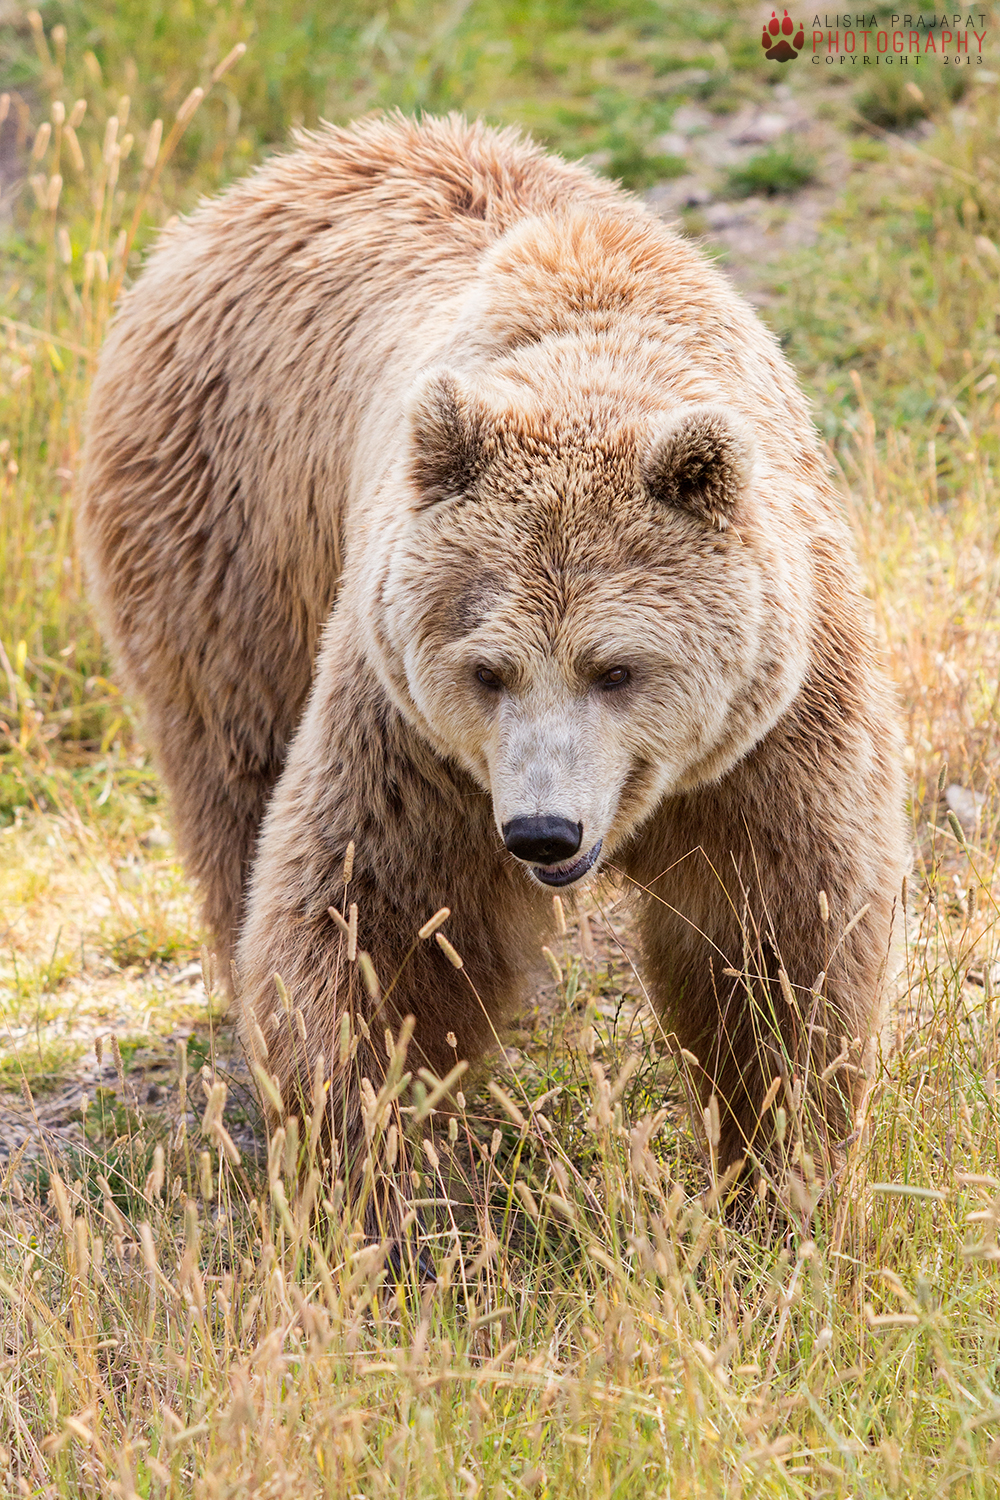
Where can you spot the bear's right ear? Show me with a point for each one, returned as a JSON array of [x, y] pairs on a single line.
[[447, 438], [701, 461]]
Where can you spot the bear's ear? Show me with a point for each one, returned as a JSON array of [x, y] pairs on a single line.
[[447, 438], [700, 461]]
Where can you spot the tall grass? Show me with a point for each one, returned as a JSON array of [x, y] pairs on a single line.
[[575, 71], [200, 1327]]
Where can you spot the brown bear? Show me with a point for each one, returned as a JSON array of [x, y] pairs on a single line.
[[440, 500]]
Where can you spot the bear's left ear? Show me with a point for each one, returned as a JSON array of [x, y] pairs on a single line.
[[447, 438], [701, 462]]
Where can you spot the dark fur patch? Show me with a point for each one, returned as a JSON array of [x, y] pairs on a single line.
[[472, 602], [448, 440], [701, 463]]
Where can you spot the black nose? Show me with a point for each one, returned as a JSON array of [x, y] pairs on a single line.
[[544, 841]]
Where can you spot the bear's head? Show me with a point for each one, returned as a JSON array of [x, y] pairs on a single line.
[[585, 609]]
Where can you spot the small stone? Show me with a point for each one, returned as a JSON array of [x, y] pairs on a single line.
[[672, 144], [690, 119], [156, 838], [760, 130]]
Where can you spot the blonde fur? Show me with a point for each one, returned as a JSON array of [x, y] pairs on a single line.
[[417, 400]]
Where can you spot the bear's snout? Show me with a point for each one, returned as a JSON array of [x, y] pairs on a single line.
[[544, 840]]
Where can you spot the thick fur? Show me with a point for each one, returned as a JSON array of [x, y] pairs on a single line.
[[418, 401]]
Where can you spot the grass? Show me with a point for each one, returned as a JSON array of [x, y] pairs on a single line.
[[181, 1319], [894, 103], [582, 74], [910, 305], [772, 172]]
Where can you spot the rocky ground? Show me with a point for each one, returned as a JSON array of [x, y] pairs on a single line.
[[747, 233]]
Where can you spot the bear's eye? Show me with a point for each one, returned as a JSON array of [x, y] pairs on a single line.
[[615, 678], [488, 677]]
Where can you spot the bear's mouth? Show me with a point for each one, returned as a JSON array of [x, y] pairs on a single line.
[[565, 874]]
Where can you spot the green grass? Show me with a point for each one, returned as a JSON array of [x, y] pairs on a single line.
[[772, 172], [910, 304], [573, 71], [895, 103], [180, 1320]]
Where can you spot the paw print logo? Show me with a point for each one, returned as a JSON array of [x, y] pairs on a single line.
[[775, 39]]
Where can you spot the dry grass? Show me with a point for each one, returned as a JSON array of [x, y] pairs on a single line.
[[180, 1319]]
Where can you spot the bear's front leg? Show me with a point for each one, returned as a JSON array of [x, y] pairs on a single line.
[[424, 838], [767, 914]]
